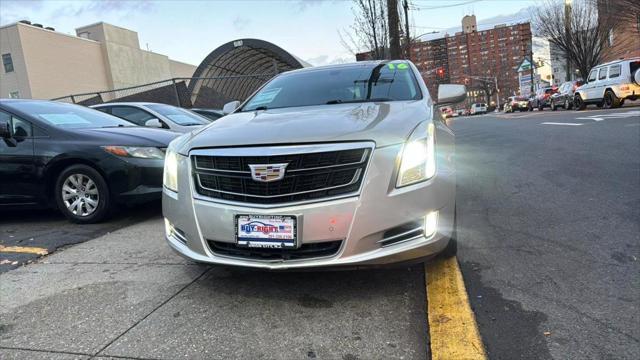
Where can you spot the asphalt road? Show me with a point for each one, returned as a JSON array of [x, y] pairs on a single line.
[[548, 218], [549, 225]]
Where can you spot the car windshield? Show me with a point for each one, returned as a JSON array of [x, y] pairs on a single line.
[[68, 116], [384, 82], [177, 115]]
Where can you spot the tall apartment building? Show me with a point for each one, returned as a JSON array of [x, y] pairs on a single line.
[[41, 63], [473, 53]]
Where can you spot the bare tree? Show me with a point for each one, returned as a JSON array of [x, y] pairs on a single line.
[[369, 32], [583, 36]]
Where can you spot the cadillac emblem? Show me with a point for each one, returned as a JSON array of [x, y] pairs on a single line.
[[268, 172]]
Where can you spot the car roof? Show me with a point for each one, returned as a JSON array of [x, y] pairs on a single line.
[[618, 61], [130, 103]]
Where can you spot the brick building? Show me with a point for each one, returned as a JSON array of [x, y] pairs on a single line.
[[495, 52], [624, 41]]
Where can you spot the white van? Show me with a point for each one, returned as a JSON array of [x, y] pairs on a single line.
[[610, 84], [478, 108]]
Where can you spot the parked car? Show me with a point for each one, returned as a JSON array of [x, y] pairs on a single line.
[[155, 115], [564, 96], [79, 160], [478, 108], [304, 172], [516, 103], [446, 111], [609, 85], [211, 114], [541, 98]]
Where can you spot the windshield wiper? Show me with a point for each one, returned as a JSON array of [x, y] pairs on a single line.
[[260, 108], [338, 101]]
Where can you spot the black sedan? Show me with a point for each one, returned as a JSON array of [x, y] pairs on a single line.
[[81, 160], [564, 97]]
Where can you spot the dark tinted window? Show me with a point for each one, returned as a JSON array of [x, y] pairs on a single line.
[[614, 71], [383, 82], [602, 74], [66, 116], [178, 115], [135, 115], [7, 62], [18, 127]]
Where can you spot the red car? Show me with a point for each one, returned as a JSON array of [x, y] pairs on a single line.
[[541, 99]]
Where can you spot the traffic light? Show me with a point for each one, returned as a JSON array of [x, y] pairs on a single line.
[[440, 72], [467, 81]]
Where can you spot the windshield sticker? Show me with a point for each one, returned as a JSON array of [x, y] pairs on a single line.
[[64, 119], [265, 97], [403, 66], [392, 66]]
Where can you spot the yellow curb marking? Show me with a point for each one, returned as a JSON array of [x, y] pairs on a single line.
[[24, 250], [452, 326]]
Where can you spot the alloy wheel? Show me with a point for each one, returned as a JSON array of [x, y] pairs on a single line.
[[80, 195]]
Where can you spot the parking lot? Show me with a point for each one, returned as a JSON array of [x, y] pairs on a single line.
[[548, 226]]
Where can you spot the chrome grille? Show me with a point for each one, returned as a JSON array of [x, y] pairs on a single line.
[[311, 174]]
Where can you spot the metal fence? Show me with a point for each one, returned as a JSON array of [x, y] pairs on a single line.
[[206, 92]]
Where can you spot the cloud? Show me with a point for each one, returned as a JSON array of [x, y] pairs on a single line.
[[240, 23], [303, 5]]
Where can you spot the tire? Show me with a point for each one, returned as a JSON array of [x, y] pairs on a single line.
[[578, 103], [610, 100], [553, 106], [540, 107], [567, 104], [82, 194], [452, 247]]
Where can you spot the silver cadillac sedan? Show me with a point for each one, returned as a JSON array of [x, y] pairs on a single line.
[[338, 166]]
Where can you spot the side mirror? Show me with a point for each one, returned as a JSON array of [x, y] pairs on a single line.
[[230, 107], [5, 130], [451, 94], [153, 123]]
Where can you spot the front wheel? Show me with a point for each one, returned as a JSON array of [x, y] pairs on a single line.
[[82, 194], [452, 247], [578, 103], [553, 106], [567, 104]]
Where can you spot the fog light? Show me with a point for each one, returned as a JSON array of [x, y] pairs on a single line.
[[430, 224]]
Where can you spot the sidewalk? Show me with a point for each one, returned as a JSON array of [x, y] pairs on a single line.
[[126, 294]]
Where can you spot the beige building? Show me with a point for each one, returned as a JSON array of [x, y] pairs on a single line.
[[40, 63]]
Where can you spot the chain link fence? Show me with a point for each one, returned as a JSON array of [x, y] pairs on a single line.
[[204, 92]]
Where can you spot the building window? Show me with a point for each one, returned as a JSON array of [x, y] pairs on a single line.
[[14, 95], [7, 62]]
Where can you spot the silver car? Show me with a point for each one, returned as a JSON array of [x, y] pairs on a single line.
[[155, 115], [337, 166]]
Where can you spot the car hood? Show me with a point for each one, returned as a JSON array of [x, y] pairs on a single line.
[[385, 123], [130, 135]]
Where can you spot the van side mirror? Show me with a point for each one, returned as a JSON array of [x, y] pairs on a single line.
[[451, 94], [153, 123], [5, 130], [230, 107]]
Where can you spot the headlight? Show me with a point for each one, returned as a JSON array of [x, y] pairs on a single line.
[[135, 152], [418, 156], [170, 177]]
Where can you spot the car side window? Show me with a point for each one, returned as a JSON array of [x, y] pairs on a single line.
[[592, 75], [19, 128], [614, 71], [129, 113], [602, 74]]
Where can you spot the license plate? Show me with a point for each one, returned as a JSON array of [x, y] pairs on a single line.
[[266, 231]]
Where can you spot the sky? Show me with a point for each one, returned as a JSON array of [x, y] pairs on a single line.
[[189, 30]]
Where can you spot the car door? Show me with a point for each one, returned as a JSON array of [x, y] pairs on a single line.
[[19, 181], [589, 87], [601, 84]]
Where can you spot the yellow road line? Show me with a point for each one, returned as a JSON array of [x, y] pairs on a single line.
[[24, 250], [452, 326]]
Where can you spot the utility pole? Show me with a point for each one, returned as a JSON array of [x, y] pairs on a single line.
[[394, 30], [567, 30], [406, 26]]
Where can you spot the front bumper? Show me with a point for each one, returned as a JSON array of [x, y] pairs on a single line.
[[359, 222], [134, 181]]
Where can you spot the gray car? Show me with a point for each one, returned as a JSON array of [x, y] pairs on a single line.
[[337, 166], [155, 115]]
